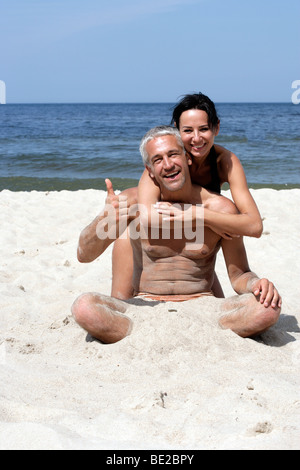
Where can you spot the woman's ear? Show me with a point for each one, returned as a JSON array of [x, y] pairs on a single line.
[[217, 129]]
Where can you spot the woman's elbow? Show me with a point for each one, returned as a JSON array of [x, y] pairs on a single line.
[[256, 229], [144, 215]]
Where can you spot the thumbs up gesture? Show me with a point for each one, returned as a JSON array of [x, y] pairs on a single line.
[[118, 202], [111, 197]]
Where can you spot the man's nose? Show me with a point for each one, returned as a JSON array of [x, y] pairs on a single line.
[[168, 164]]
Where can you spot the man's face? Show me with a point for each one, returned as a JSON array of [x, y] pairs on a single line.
[[168, 163]]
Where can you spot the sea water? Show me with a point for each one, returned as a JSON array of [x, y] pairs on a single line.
[[76, 146]]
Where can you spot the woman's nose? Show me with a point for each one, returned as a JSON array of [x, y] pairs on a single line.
[[196, 136]]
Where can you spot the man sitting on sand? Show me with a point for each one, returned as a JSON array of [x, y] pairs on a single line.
[[176, 268]]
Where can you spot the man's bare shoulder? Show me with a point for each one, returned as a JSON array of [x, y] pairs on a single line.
[[131, 194], [217, 202]]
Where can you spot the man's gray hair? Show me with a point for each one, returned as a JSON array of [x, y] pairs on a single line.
[[158, 131]]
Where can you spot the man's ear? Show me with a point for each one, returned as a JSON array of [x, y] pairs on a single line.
[[188, 158], [150, 172]]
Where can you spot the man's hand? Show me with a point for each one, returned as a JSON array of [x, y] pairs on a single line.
[[111, 198], [119, 203], [105, 228], [268, 293]]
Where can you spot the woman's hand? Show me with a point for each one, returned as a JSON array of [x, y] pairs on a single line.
[[188, 214], [174, 211]]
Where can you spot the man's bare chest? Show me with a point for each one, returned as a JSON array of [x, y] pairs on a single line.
[[185, 248]]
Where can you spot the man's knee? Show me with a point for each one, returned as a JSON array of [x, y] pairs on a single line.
[[266, 316], [271, 315], [85, 304], [80, 307], [246, 316]]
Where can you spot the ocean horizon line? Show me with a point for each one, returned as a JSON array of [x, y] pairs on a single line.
[[43, 103]]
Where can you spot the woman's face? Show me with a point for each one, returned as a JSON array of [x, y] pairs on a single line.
[[197, 136]]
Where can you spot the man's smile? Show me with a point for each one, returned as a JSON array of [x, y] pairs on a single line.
[[172, 175]]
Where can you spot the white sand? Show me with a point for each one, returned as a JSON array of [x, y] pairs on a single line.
[[178, 382]]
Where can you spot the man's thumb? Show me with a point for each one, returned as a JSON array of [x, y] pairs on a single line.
[[109, 187]]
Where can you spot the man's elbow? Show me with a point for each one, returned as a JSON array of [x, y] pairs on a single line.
[[82, 256]]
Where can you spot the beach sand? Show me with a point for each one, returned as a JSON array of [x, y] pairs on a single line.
[[178, 382]]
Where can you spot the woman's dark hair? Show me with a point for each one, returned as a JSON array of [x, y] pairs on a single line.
[[196, 101]]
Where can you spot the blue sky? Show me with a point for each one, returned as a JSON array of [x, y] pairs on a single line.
[[149, 51]]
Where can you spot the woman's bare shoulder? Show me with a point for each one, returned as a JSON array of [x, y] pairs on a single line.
[[223, 153], [228, 163]]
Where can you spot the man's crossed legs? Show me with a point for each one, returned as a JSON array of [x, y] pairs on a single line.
[[103, 316]]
